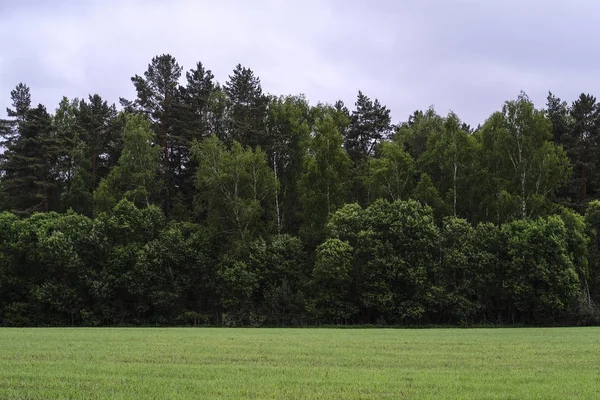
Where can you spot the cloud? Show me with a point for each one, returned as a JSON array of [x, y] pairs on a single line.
[[463, 55]]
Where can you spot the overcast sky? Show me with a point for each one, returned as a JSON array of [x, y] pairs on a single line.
[[462, 55]]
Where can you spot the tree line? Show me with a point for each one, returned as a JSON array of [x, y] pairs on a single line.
[[206, 203]]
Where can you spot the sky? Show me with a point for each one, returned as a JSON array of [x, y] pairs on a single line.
[[466, 56]]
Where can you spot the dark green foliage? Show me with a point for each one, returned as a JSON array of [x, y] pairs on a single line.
[[203, 203], [288, 127], [21, 103], [323, 186], [541, 280], [159, 98], [247, 109], [135, 175], [370, 123], [393, 249], [581, 143], [332, 281], [391, 175], [30, 177], [235, 187], [96, 150]]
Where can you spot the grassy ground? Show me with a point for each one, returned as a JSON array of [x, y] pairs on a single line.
[[299, 363]]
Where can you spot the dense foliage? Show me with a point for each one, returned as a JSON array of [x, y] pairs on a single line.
[[201, 203]]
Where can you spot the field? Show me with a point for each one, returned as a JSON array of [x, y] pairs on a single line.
[[209, 363]]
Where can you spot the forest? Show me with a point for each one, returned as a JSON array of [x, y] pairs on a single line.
[[201, 203]]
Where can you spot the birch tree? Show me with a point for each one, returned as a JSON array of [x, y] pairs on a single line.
[[235, 187], [533, 166], [323, 184]]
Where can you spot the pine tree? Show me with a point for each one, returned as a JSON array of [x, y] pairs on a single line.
[[558, 112], [192, 123], [369, 124], [581, 143], [67, 132], [247, 109], [30, 176], [101, 131], [21, 103], [159, 98]]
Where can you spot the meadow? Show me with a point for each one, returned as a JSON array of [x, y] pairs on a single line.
[[213, 363]]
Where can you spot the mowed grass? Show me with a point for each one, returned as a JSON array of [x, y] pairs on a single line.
[[207, 363]]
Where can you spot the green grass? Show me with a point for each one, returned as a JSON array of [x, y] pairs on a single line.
[[212, 363]]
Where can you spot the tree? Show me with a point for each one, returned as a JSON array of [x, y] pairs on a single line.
[[135, 176], [196, 97], [101, 131], [332, 277], [455, 278], [415, 133], [581, 143], [68, 135], [426, 193], [578, 247], [534, 167], [30, 177], [540, 279], [21, 103], [247, 108], [235, 187], [192, 123], [558, 113], [289, 130], [448, 159], [323, 184], [91, 134], [392, 174], [159, 98], [370, 123], [394, 247], [592, 226], [118, 285], [265, 280], [284, 278]]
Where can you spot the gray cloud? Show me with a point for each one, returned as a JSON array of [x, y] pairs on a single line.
[[462, 55]]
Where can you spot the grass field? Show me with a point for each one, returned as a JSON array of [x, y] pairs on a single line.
[[299, 363]]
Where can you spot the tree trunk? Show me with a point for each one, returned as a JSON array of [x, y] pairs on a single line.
[[523, 200], [454, 177], [94, 163], [584, 178], [165, 139], [277, 210]]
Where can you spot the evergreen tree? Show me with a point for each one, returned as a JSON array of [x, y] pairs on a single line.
[[159, 97], [193, 123], [21, 103], [196, 97], [370, 123], [247, 109], [558, 112], [30, 177], [65, 125], [581, 143], [101, 131]]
